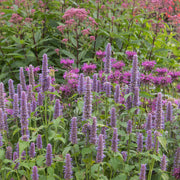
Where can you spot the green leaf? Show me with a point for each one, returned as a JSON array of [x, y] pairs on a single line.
[[66, 150], [86, 151], [165, 176], [22, 146], [80, 175], [120, 177], [50, 171], [127, 95], [40, 160], [2, 153], [163, 142], [68, 54]]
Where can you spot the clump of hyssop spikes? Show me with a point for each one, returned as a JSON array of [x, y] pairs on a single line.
[[93, 134], [87, 109], [129, 127], [117, 94], [2, 96], [159, 114], [169, 111], [142, 175], [107, 64], [11, 88], [134, 74], [149, 122], [57, 109], [22, 79], [35, 175], [39, 142], [9, 153], [149, 140], [140, 142], [49, 155], [114, 145], [73, 133], [113, 117], [68, 168], [163, 163], [100, 149]]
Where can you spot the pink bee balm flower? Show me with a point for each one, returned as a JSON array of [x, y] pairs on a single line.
[[92, 38], [118, 65], [67, 63], [88, 68], [57, 51], [65, 40], [100, 54]]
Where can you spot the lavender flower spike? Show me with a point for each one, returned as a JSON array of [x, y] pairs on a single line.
[[39, 142], [169, 112], [100, 149], [177, 158], [22, 79], [2, 96], [15, 159], [107, 86], [73, 133], [11, 88], [114, 145], [9, 153], [107, 64], [163, 163], [15, 106], [44, 75], [149, 122], [149, 140], [80, 87], [113, 117], [136, 99], [68, 168], [40, 99], [140, 142], [87, 109], [1, 142], [159, 114], [129, 127], [2, 125], [142, 175], [31, 76], [29, 94], [49, 155], [19, 90], [32, 150], [93, 133], [134, 72], [94, 84], [98, 86], [57, 109], [24, 114], [117, 94], [128, 100], [35, 175], [52, 96]]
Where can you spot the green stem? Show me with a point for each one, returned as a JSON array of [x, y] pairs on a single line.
[[129, 141]]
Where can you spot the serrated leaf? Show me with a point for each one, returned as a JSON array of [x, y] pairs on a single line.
[[22, 146], [163, 142], [68, 54]]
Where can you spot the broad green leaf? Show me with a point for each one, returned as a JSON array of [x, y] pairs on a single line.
[[163, 142]]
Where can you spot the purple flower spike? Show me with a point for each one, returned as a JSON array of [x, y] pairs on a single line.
[[113, 117], [15, 106], [49, 155], [169, 112], [94, 84], [124, 154], [35, 175], [117, 94], [87, 109], [149, 140], [134, 76], [19, 90], [2, 96], [11, 88], [29, 109], [80, 87], [45, 72], [40, 99], [140, 142], [24, 120], [23, 155], [136, 99], [107, 64], [114, 145], [128, 100], [68, 168], [107, 87], [29, 94], [93, 134], [31, 76], [39, 142], [1, 142], [163, 163], [32, 150], [22, 79], [158, 117], [149, 122], [57, 109], [2, 125], [177, 158], [52, 96], [129, 127], [73, 133], [142, 175], [9, 153], [15, 158], [156, 142], [100, 149], [98, 86]]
